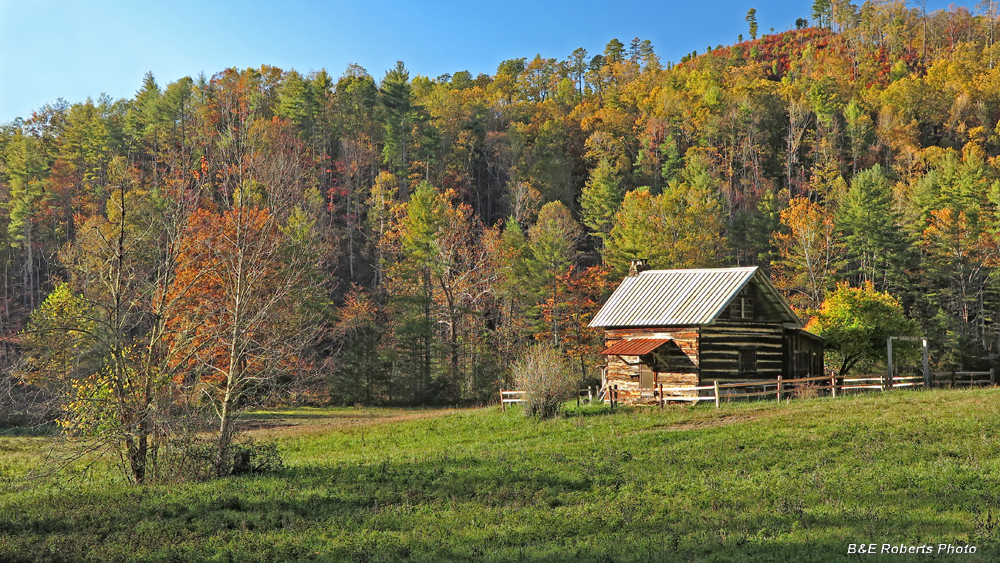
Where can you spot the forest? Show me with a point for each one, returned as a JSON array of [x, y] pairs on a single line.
[[264, 236]]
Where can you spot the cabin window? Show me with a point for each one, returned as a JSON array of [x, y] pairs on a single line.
[[741, 308], [747, 360]]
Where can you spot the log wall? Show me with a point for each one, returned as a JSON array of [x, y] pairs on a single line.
[[626, 376], [747, 341], [803, 354], [721, 344]]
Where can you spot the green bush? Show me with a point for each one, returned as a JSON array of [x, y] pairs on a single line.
[[251, 457], [190, 458]]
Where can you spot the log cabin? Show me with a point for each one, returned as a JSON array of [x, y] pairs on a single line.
[[686, 328]]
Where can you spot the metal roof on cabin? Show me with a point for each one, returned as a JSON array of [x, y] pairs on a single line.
[[634, 346], [683, 297]]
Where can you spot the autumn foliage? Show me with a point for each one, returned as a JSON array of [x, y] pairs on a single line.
[[405, 238]]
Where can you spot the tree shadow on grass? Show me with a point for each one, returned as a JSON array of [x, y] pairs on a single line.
[[509, 506], [595, 409], [33, 431]]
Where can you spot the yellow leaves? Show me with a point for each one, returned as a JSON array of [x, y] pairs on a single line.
[[809, 251], [92, 405], [960, 71], [806, 220]]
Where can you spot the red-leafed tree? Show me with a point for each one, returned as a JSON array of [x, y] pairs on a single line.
[[247, 272], [580, 295], [247, 284]]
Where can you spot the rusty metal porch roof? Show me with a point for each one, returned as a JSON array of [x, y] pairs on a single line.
[[684, 297]]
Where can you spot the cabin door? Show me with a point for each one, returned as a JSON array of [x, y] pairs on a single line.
[[646, 377]]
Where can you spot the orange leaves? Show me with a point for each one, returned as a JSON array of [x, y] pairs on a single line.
[[808, 222], [953, 235], [357, 311], [949, 231], [579, 296], [956, 238], [226, 266]]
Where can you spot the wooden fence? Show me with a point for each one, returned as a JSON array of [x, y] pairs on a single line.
[[510, 397], [587, 396], [584, 396], [957, 378], [777, 388]]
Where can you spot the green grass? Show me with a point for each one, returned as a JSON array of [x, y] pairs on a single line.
[[795, 481]]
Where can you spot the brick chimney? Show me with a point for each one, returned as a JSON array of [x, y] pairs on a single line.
[[638, 265]]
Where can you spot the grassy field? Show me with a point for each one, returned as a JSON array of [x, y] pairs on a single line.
[[797, 481]]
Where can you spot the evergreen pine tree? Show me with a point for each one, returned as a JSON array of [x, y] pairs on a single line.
[[877, 247], [600, 200]]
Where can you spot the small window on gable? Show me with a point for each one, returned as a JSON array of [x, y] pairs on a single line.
[[741, 308]]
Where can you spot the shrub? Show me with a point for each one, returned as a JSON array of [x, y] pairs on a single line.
[[805, 391], [547, 379], [186, 457], [254, 458]]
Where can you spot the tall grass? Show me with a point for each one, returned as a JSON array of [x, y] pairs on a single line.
[[796, 481]]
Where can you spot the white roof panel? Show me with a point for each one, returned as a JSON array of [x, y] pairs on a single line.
[[682, 297]]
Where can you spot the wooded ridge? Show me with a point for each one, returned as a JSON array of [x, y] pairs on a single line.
[[262, 235]]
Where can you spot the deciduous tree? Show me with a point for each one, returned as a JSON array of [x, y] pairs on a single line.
[[809, 252], [250, 311], [856, 321]]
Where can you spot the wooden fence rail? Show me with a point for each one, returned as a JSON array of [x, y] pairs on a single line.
[[510, 397], [777, 388], [953, 378], [780, 388]]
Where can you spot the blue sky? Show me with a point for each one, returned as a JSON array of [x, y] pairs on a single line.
[[73, 49]]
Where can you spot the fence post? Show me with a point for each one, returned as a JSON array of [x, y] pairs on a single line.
[[614, 397], [781, 387], [503, 405], [993, 380], [888, 344], [833, 386], [716, 385], [928, 376], [662, 401]]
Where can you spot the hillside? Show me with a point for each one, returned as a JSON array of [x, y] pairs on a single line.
[[796, 481], [262, 236]]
